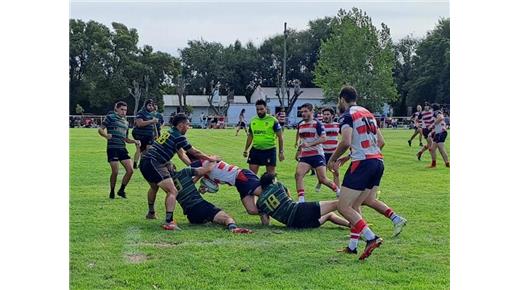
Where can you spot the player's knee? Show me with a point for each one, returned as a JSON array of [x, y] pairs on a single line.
[[129, 170]]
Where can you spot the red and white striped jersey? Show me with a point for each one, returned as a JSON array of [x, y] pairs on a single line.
[[441, 126], [427, 119], [310, 132], [280, 116], [332, 132], [364, 133], [223, 172]]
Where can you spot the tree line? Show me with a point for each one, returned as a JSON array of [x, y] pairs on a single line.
[[105, 64]]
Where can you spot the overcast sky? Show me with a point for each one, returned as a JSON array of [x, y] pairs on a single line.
[[168, 25]]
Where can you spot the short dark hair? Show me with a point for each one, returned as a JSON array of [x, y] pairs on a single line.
[[261, 102], [348, 93], [267, 179], [179, 118], [328, 109], [120, 104], [436, 106], [308, 106], [149, 101]]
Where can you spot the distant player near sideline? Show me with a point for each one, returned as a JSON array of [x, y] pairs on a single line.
[[115, 129], [156, 167], [263, 129], [416, 119], [360, 133], [311, 154], [280, 116], [241, 122], [144, 129], [275, 201], [197, 209], [156, 114], [427, 120], [439, 136], [331, 132], [245, 181]]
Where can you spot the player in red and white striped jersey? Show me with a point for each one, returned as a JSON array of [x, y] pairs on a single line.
[[310, 152], [427, 120], [360, 133], [416, 119], [439, 134], [331, 133]]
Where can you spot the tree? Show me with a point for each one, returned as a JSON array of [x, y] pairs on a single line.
[[404, 52], [358, 54], [431, 67]]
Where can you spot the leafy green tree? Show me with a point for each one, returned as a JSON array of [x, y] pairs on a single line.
[[358, 54], [404, 52], [431, 67]]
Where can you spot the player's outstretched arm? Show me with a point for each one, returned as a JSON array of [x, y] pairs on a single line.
[[103, 132], [183, 157], [205, 169], [199, 155], [380, 139]]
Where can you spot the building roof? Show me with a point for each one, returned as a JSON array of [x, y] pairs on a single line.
[[270, 93], [195, 100]]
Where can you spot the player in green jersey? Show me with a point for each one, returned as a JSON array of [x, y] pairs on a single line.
[[115, 129], [275, 201]]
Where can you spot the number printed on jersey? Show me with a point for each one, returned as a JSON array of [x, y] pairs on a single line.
[[164, 136], [272, 202]]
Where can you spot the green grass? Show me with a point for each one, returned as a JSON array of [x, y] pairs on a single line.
[[112, 245]]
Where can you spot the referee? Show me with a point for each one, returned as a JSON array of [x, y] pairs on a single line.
[[263, 129]]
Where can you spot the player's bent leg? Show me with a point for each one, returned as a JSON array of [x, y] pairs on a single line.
[[301, 170], [372, 201], [152, 194], [222, 218], [271, 169], [334, 218], [321, 172], [249, 205], [442, 150], [433, 152], [328, 206], [254, 168], [129, 171], [114, 168], [169, 202]]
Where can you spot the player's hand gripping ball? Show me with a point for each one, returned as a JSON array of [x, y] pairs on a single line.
[[209, 185]]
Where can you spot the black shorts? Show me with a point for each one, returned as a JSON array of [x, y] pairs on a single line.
[[425, 132], [246, 183], [262, 157], [145, 141], [242, 125], [364, 174], [327, 157], [117, 154], [154, 171], [314, 161], [307, 215], [202, 212], [440, 138]]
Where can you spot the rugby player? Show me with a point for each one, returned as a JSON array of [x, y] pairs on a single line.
[[360, 133], [156, 114], [197, 209], [144, 129], [311, 155], [439, 136], [263, 129], [416, 117], [155, 166], [274, 201], [427, 121], [280, 116], [331, 132], [245, 181], [115, 129]]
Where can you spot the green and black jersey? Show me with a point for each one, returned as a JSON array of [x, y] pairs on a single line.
[[148, 130], [117, 126], [159, 117], [188, 196], [275, 202], [164, 148]]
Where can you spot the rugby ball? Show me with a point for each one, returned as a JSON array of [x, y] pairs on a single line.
[[211, 186]]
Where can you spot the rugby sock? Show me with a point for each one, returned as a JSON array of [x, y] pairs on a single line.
[[301, 195], [169, 216], [389, 213], [434, 163], [231, 226], [122, 187], [151, 208], [355, 233]]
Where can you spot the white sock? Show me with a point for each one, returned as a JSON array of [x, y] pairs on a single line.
[[301, 199], [369, 234], [395, 218], [353, 242]]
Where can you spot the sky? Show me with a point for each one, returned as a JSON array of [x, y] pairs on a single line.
[[168, 25]]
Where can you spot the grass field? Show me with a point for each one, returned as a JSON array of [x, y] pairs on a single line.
[[112, 245]]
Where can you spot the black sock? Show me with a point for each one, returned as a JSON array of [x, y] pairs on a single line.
[[151, 208], [111, 190], [169, 216], [231, 226], [122, 187]]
